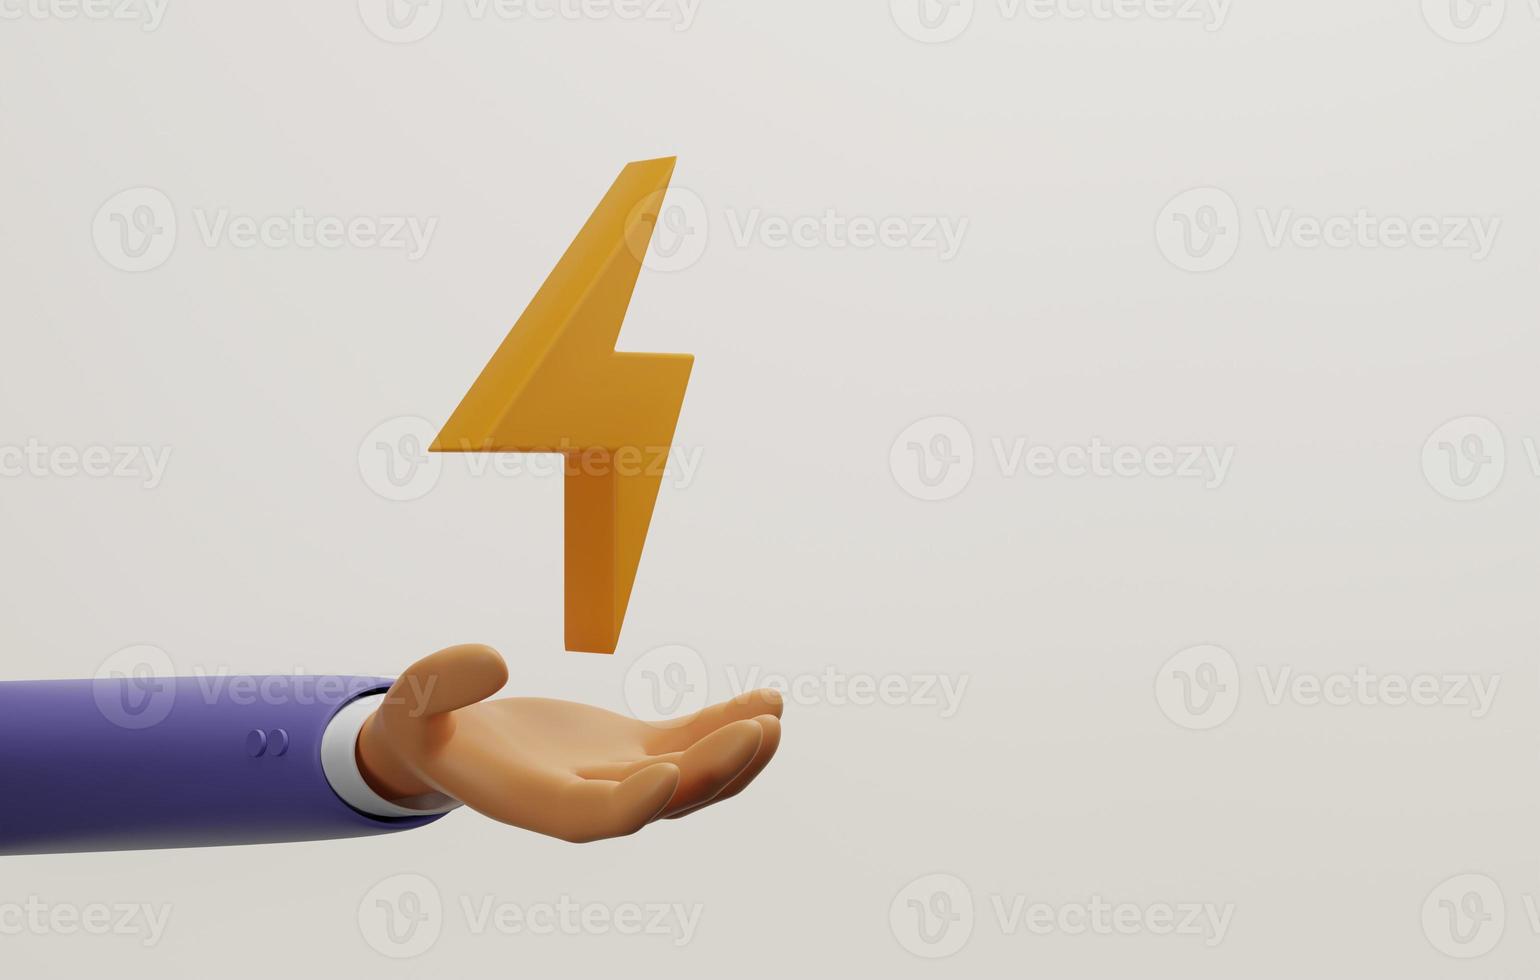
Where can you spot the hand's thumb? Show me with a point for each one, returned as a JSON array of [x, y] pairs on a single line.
[[441, 682]]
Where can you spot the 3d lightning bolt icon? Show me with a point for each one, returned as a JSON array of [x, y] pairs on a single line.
[[557, 384]]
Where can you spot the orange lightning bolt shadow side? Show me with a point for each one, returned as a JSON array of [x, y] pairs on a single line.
[[557, 384]]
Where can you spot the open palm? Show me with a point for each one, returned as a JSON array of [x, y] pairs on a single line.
[[566, 770]]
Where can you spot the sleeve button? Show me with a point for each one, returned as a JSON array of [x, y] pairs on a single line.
[[256, 743]]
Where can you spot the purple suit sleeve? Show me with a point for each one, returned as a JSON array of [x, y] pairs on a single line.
[[129, 763]]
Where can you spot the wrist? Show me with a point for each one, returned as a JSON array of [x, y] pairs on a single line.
[[382, 768]]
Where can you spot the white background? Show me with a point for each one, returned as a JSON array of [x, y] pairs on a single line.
[[799, 547]]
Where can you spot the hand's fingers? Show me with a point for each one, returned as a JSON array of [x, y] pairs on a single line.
[[772, 741], [711, 764], [594, 809], [770, 724], [619, 771], [672, 743], [443, 682], [559, 804], [680, 735]]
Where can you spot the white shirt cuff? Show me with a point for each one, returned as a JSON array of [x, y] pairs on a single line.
[[339, 760]]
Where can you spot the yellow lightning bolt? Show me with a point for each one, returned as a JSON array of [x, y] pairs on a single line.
[[557, 384]]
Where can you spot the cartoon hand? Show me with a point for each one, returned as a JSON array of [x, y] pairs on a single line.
[[565, 770]]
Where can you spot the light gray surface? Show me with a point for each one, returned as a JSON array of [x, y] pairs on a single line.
[[1061, 314]]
